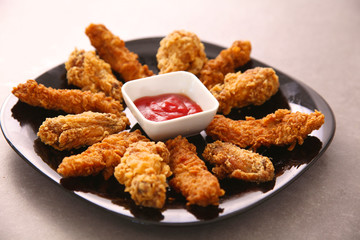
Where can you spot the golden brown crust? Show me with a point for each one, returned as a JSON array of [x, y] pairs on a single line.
[[281, 128], [234, 162], [181, 51], [68, 100], [191, 176], [253, 87], [87, 71], [84, 129], [143, 170], [226, 62], [113, 50], [105, 155]]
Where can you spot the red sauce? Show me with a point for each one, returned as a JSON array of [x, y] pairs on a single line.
[[166, 106]]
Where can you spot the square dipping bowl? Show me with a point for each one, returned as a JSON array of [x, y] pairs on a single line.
[[180, 82]]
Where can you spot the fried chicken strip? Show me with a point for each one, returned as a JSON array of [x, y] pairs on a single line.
[[67, 100], [143, 170], [282, 128], [226, 62], [103, 156], [234, 162], [87, 71], [191, 176], [181, 51], [253, 87], [113, 50], [78, 130]]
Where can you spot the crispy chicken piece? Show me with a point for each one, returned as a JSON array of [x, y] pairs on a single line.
[[181, 51], [191, 176], [253, 87], [143, 170], [234, 162], [226, 62], [281, 128], [113, 50], [87, 71], [67, 100], [103, 156], [79, 130]]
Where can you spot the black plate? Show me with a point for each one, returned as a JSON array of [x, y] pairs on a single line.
[[20, 123]]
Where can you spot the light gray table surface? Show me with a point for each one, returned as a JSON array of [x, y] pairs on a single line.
[[316, 42]]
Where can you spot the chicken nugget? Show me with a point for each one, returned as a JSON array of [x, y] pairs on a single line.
[[282, 128], [67, 100], [143, 170], [87, 71], [226, 62], [253, 87], [113, 50], [103, 156], [78, 130], [234, 162], [191, 176], [181, 51]]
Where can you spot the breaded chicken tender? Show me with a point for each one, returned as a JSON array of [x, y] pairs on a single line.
[[226, 62], [181, 51], [253, 87], [143, 170], [234, 162], [103, 156], [78, 130], [113, 51], [282, 128], [87, 71], [191, 177], [67, 100]]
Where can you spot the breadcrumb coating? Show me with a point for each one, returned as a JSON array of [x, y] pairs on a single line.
[[234, 162], [79, 130], [87, 71], [282, 128], [67, 100], [191, 176], [103, 156], [181, 51], [113, 50], [226, 62], [253, 87], [143, 170]]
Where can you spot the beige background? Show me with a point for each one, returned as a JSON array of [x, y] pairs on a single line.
[[314, 41]]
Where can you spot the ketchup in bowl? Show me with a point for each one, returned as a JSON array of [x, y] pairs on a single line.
[[166, 106]]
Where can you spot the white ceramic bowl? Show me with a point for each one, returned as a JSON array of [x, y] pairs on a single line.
[[176, 82]]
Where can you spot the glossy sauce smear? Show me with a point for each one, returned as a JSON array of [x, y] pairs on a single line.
[[166, 106]]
